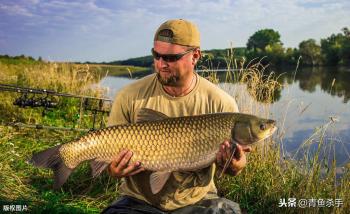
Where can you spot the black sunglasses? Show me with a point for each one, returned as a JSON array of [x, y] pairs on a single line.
[[169, 57]]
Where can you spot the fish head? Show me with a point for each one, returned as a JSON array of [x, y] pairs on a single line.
[[251, 129]]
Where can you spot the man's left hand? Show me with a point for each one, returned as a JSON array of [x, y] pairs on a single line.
[[239, 159]]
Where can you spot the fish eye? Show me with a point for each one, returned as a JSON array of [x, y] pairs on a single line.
[[262, 127]]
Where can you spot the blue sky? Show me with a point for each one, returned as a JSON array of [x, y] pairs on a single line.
[[107, 30]]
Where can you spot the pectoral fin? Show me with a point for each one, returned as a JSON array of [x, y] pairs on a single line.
[[158, 180], [97, 167]]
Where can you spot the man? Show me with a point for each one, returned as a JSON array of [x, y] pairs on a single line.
[[175, 90]]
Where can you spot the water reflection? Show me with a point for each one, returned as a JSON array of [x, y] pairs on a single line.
[[334, 81]]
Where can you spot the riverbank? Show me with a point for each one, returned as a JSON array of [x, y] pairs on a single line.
[[120, 70]]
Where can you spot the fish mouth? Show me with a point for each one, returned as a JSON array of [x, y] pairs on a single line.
[[270, 134], [272, 131]]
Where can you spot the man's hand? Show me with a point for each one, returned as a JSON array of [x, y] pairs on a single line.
[[119, 167], [239, 159]]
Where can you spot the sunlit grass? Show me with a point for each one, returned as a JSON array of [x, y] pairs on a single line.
[[24, 184]]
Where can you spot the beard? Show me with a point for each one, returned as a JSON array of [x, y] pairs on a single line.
[[171, 80]]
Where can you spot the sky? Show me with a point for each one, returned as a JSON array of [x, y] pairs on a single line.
[[109, 30]]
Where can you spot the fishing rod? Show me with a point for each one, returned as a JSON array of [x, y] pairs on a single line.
[[39, 126], [28, 98], [19, 89]]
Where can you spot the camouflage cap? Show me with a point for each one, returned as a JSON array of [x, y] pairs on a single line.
[[178, 31]]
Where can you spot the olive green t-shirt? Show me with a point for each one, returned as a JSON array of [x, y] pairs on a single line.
[[182, 188]]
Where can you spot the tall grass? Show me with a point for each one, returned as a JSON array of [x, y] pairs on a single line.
[[20, 183]]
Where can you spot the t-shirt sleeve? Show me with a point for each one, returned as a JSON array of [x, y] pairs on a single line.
[[229, 104], [120, 113]]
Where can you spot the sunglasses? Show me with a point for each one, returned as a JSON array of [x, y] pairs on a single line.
[[169, 57]]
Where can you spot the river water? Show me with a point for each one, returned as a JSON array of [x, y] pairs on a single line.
[[314, 102]]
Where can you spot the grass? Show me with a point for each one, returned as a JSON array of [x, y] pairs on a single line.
[[20, 182], [269, 177]]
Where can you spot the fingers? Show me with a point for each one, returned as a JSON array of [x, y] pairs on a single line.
[[113, 166], [219, 157], [124, 161], [132, 168], [238, 161], [140, 169], [120, 166], [227, 150], [241, 149], [224, 153], [247, 148], [239, 152], [119, 157]]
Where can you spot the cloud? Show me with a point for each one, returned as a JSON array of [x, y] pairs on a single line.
[[15, 10], [130, 25]]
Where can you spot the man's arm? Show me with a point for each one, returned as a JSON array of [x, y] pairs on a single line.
[[239, 159]]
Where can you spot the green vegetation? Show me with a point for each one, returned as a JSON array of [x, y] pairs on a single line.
[[16, 60], [145, 61], [269, 177], [20, 183], [267, 44], [262, 38]]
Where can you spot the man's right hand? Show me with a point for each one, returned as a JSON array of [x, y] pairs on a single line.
[[119, 167]]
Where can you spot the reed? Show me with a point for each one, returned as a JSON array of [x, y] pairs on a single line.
[[270, 175]]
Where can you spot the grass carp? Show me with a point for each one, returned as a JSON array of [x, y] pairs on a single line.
[[162, 144]]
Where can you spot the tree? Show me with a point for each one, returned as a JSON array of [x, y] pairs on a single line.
[[345, 48], [275, 53], [336, 48], [263, 38], [310, 52], [331, 48]]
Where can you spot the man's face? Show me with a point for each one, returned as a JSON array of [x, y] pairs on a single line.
[[173, 73]]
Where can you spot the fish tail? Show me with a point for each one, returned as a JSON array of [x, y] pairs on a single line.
[[50, 158]]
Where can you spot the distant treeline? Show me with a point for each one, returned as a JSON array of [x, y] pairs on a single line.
[[266, 43], [22, 59]]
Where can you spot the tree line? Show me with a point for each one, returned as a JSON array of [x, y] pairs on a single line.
[[333, 50], [266, 45]]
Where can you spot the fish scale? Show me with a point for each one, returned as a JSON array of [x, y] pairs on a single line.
[[163, 145]]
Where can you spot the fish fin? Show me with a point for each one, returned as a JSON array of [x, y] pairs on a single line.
[[97, 167], [50, 158], [158, 180], [146, 114]]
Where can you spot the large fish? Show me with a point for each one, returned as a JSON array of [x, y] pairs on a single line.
[[162, 144]]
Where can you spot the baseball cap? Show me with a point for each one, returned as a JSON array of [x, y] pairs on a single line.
[[178, 31]]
